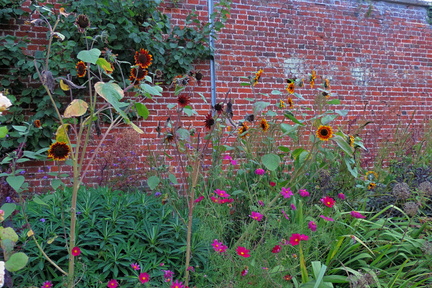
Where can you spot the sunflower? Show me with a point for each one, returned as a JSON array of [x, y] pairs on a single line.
[[169, 137], [324, 133], [264, 125], [137, 74], [312, 78], [325, 94], [209, 121], [351, 140], [37, 123], [290, 88], [371, 175], [59, 151], [290, 103], [83, 22], [81, 69], [183, 100], [219, 107], [257, 77], [326, 83], [282, 104], [243, 129], [371, 186], [143, 58]]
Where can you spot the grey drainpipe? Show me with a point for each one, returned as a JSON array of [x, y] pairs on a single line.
[[212, 61]]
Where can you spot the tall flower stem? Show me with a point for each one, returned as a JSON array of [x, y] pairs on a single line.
[[303, 269]]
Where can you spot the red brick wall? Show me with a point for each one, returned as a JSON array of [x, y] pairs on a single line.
[[376, 54]]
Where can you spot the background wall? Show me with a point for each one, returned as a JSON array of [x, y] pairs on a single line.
[[376, 54]]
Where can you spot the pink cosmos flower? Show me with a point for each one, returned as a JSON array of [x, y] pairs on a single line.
[[276, 249], [272, 184], [215, 199], [234, 162], [244, 272], [286, 192], [260, 171], [328, 201], [303, 193], [199, 199], [218, 246], [112, 283], [223, 201], [326, 218], [168, 275], [47, 284], [312, 225], [227, 157], [293, 207], [356, 214], [76, 251], [285, 214], [135, 266], [341, 196], [177, 284], [242, 251], [222, 193], [144, 277], [261, 203], [296, 238], [256, 216]]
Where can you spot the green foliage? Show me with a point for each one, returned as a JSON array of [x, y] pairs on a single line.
[[114, 231], [10, 9]]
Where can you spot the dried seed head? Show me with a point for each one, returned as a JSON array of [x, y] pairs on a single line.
[[426, 188], [401, 191], [411, 208]]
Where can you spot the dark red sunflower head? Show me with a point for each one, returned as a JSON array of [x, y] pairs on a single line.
[[209, 121], [82, 22], [143, 58], [81, 69], [183, 100]]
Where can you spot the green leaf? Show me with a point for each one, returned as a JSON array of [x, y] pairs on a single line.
[[343, 144], [284, 149], [171, 105], [8, 208], [39, 201], [328, 118], [342, 113], [276, 92], [152, 90], [183, 134], [8, 233], [260, 106], [290, 116], [8, 247], [20, 128], [16, 262], [15, 182], [286, 128], [3, 131], [55, 183], [104, 64], [90, 56], [112, 93], [142, 110], [271, 161], [172, 178], [334, 101], [189, 112], [153, 182]]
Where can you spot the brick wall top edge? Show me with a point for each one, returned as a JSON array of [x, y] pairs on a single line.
[[408, 2]]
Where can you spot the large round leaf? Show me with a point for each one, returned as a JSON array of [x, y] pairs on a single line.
[[16, 262]]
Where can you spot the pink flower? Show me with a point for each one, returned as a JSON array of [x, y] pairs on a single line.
[[76, 251], [256, 216], [222, 193], [168, 275], [199, 199], [272, 184], [47, 284], [218, 246], [276, 249], [227, 157], [242, 251], [244, 272], [341, 196], [144, 277], [286, 192], [293, 207], [135, 266], [285, 214], [356, 214], [223, 201], [261, 203], [177, 284], [112, 283], [215, 199], [326, 218], [303, 193], [296, 238], [234, 162], [259, 171], [312, 225], [328, 201]]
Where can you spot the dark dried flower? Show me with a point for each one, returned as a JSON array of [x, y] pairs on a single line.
[[426, 188], [219, 107], [209, 121], [401, 191], [83, 22], [37, 123], [411, 208]]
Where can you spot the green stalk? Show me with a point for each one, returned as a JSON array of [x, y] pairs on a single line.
[[303, 269], [72, 236]]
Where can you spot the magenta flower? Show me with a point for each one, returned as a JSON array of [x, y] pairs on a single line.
[[244, 272], [341, 196], [144, 277], [227, 157], [168, 275], [286, 192], [47, 284], [260, 171], [285, 215], [356, 214], [276, 249], [112, 283], [76, 251], [296, 238], [177, 284], [256, 216], [199, 199], [272, 184], [135, 266], [215, 199], [223, 201], [312, 225], [218, 246], [303, 193], [261, 203], [222, 193], [328, 201], [242, 251], [293, 207], [234, 162], [326, 218]]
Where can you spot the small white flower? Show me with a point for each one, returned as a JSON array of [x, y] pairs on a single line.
[[5, 103], [2, 273]]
